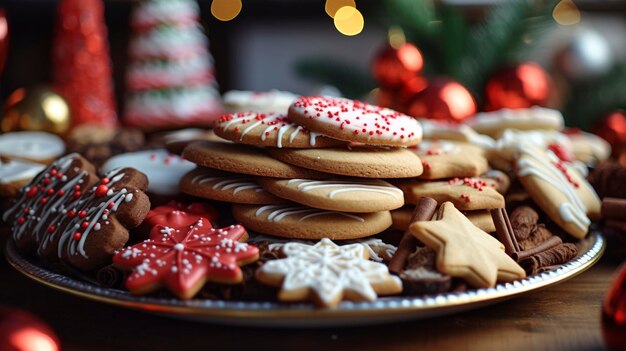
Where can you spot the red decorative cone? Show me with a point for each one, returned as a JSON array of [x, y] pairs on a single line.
[[81, 62]]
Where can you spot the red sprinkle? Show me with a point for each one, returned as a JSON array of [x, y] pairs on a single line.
[[71, 214], [84, 225], [82, 214], [77, 236], [32, 192], [105, 181], [101, 190], [51, 229], [21, 220]]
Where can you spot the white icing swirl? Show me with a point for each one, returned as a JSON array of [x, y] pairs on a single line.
[[279, 212], [344, 186]]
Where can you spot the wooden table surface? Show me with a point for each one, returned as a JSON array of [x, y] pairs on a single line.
[[561, 317]]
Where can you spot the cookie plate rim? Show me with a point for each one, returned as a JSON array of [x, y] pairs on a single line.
[[274, 314]]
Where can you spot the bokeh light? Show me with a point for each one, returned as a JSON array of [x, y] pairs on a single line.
[[566, 13], [349, 21], [332, 6], [225, 10]]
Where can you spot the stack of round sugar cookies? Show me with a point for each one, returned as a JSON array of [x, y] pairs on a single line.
[[313, 172]]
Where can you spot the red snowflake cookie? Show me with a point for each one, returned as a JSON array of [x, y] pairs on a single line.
[[183, 259]]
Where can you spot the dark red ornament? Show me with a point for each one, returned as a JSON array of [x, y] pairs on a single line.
[[394, 66], [4, 38], [21, 331], [612, 128], [614, 312], [520, 86], [445, 100]]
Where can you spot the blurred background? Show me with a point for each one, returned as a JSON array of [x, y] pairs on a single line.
[[299, 47]]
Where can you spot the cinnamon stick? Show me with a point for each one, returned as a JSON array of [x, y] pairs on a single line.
[[504, 230], [548, 244], [613, 208], [424, 211], [554, 256]]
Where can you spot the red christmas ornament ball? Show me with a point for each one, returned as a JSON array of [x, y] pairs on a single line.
[[21, 331], [4, 38], [612, 128], [520, 86], [393, 66], [444, 99], [614, 313]]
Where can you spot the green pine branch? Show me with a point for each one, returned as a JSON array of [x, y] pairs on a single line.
[[591, 101], [490, 44]]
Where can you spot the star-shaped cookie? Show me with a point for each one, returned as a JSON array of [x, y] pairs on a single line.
[[465, 251], [184, 258], [328, 273]]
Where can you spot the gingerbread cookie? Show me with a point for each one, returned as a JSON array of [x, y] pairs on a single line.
[[501, 183], [14, 174], [446, 159], [40, 147], [183, 259], [467, 194], [66, 214], [228, 187], [327, 273], [465, 251], [559, 189], [362, 162], [588, 148], [357, 121], [442, 130], [340, 194], [269, 129], [164, 170], [481, 218], [494, 123], [237, 158], [258, 101], [301, 222]]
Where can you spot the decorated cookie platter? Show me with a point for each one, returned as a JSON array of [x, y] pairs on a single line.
[[383, 310]]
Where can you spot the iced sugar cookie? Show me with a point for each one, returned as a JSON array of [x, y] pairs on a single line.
[[494, 123], [302, 222], [356, 121], [245, 159], [163, 169], [40, 147], [362, 162], [269, 129], [327, 273], [559, 189], [339, 194], [258, 101], [228, 187]]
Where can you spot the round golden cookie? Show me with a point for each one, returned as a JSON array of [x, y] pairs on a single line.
[[269, 129], [340, 194], [238, 158], [301, 222], [228, 187], [481, 218], [361, 162], [356, 121], [448, 159]]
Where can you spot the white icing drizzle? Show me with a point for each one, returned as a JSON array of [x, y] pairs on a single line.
[[533, 162], [274, 121], [329, 270], [345, 186], [435, 148], [226, 183], [278, 212]]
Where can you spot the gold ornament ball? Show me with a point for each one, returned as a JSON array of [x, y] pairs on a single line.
[[35, 109]]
